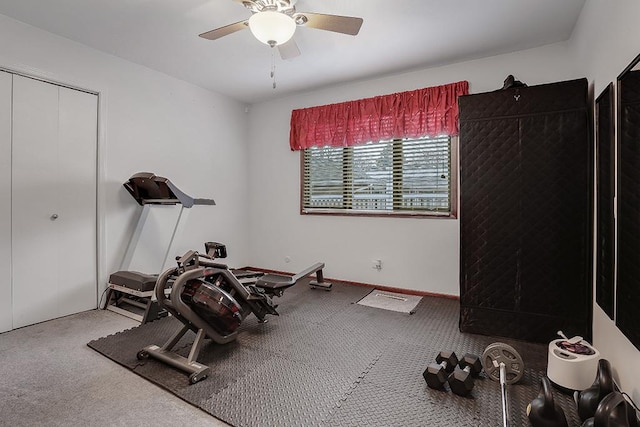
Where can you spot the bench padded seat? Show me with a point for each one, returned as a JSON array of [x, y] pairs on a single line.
[[134, 280]]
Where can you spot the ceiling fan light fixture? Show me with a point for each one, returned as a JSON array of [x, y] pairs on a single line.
[[271, 27]]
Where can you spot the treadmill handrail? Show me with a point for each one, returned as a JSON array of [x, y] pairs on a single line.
[[149, 184], [186, 200]]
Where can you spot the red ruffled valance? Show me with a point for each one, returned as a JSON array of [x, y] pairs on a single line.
[[424, 112]]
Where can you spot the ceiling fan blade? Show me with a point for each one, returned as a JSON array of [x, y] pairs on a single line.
[[289, 50], [339, 24], [224, 31]]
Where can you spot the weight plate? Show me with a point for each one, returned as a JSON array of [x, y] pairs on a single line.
[[498, 353]]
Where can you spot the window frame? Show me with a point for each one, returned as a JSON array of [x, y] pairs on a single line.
[[453, 189]]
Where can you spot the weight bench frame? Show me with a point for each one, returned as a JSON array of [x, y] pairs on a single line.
[[117, 296]]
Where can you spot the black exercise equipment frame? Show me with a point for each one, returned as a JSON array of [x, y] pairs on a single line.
[[253, 298]]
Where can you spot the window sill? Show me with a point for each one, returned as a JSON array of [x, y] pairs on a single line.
[[380, 214]]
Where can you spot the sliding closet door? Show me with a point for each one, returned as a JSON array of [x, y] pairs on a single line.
[[5, 206], [53, 201]]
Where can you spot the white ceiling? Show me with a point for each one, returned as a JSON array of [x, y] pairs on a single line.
[[397, 36]]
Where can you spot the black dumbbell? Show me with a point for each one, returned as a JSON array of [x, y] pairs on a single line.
[[462, 380], [436, 373]]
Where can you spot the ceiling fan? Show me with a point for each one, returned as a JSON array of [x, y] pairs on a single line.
[[274, 22]]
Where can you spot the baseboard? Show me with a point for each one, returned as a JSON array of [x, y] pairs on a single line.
[[364, 285]]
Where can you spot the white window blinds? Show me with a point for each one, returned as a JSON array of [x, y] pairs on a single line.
[[399, 176]]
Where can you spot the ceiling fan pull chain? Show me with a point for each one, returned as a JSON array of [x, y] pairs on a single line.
[[273, 68]]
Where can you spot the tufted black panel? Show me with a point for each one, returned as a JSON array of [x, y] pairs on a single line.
[[525, 214], [485, 197], [524, 101], [628, 282], [555, 232], [605, 241]]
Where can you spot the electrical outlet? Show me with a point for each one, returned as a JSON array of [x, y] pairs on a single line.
[[376, 264]]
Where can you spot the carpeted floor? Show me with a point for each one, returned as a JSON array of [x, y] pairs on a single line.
[[50, 378], [326, 361]]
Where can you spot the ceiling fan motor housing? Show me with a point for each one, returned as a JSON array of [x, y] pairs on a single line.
[[282, 6]]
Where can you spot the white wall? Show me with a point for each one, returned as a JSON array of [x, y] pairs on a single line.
[[418, 254], [605, 41], [152, 122], [149, 122]]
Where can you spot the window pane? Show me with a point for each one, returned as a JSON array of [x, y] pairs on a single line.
[[323, 180], [425, 175], [372, 177]]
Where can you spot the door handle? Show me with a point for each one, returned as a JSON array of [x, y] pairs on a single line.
[[54, 217]]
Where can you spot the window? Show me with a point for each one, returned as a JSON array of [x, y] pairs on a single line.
[[413, 177], [370, 156]]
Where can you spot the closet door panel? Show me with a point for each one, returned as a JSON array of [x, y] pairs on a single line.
[[77, 284], [35, 202], [489, 222], [5, 207]]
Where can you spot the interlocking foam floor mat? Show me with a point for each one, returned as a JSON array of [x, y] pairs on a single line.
[[327, 361]]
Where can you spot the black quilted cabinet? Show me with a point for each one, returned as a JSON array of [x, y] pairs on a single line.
[[526, 212]]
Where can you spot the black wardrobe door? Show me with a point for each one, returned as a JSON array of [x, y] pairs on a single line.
[[628, 280], [556, 232], [489, 222]]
